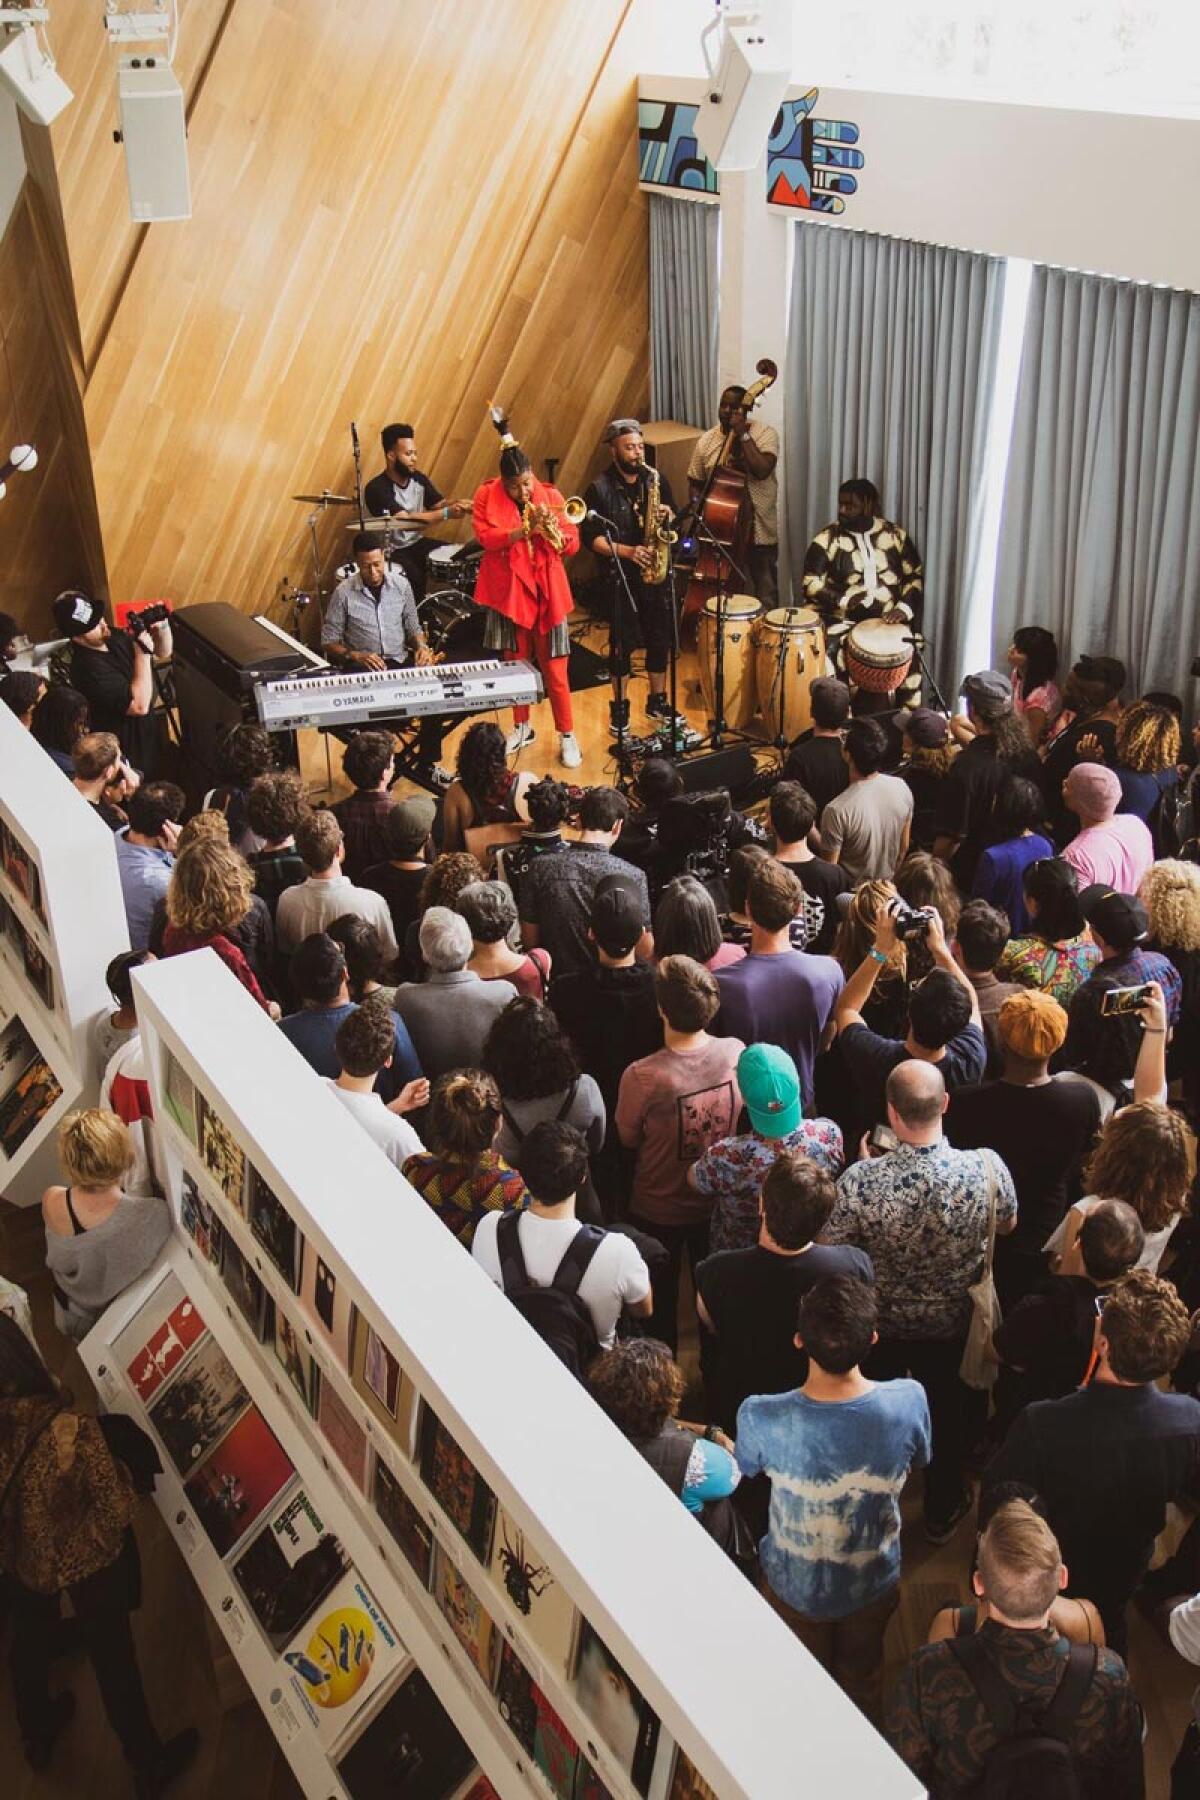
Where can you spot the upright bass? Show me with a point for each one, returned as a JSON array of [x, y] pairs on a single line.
[[724, 511]]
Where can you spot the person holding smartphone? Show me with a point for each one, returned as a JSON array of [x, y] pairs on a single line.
[[1101, 1043]]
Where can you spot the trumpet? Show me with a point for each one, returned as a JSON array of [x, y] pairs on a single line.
[[542, 519]]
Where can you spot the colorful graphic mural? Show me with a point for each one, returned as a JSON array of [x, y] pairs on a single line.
[[809, 160]]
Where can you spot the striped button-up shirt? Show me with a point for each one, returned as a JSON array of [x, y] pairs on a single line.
[[378, 627]]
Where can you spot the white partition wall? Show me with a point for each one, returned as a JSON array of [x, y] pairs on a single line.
[[425, 1371], [61, 923]]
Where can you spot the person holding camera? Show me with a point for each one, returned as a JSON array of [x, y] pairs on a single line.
[[114, 670]]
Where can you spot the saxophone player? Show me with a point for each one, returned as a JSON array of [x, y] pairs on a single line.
[[624, 496], [525, 534]]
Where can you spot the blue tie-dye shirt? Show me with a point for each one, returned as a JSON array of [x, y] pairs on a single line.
[[836, 1471]]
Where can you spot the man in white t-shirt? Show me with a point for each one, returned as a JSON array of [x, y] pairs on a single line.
[[364, 1043], [554, 1164]]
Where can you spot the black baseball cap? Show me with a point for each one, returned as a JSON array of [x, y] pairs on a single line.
[[76, 612], [1119, 918], [618, 916]]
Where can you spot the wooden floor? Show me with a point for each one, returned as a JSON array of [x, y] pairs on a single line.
[[190, 1679]]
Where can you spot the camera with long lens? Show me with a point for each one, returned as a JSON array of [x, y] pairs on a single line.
[[137, 622], [911, 922]]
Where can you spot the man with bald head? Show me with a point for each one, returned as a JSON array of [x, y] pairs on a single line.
[[921, 1213]]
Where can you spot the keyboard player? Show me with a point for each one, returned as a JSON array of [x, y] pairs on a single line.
[[372, 623]]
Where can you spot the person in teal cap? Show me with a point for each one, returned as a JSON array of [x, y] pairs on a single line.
[[732, 1171]]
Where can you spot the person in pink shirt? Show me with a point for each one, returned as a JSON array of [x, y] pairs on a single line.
[[1113, 849]]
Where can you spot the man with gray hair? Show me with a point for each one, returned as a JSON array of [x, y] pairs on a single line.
[[921, 1213], [449, 1014]]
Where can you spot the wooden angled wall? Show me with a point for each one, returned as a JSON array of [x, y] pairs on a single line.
[[399, 211]]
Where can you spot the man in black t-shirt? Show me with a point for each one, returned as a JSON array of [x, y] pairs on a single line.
[[815, 760], [748, 1299], [1092, 694], [793, 811], [114, 673], [1042, 1125], [403, 488]]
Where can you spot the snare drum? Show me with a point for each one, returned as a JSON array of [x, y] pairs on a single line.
[[789, 655], [740, 613], [879, 654]]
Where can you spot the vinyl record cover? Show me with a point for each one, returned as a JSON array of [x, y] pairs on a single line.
[[457, 1485], [470, 1622], [154, 1343], [343, 1433], [480, 1789], [275, 1229], [200, 1222], [588, 1785], [379, 1379], [287, 1570], [327, 1302], [624, 1719], [253, 1301], [299, 1367], [37, 968], [17, 1051], [341, 1656], [224, 1157], [411, 1532], [545, 1608], [687, 1783], [239, 1480], [27, 1103], [410, 1751], [515, 1698], [197, 1407], [179, 1096], [554, 1749], [21, 870]]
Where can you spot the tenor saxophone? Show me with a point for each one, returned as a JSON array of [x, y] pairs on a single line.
[[657, 537]]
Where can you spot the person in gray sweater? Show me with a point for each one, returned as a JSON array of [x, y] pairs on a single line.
[[99, 1239], [450, 1013]]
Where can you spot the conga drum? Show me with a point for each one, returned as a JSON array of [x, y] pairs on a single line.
[[740, 612], [789, 655], [879, 654]]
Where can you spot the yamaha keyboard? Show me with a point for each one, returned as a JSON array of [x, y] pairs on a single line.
[[328, 698]]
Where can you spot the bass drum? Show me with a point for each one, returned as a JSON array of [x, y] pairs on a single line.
[[741, 611], [454, 626], [789, 655]]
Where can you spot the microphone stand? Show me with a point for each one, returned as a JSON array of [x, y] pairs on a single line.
[[616, 643], [918, 642], [358, 480], [717, 735]]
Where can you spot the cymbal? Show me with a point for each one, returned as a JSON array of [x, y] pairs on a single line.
[[325, 498], [384, 524]]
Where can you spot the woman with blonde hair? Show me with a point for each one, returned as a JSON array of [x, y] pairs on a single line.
[[886, 1010], [209, 895], [1170, 893], [1141, 1157], [1148, 750], [98, 1237]]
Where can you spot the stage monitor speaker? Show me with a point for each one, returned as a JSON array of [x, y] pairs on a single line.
[[154, 133], [745, 91], [733, 768]]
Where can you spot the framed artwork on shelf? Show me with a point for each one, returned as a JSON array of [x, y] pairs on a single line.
[[457, 1486], [17, 1052], [383, 1385], [224, 1157], [275, 1229], [687, 1783], [343, 1433], [624, 1719], [22, 870], [38, 971], [286, 1571], [299, 1367], [411, 1750], [468, 1619], [515, 1698], [195, 1409], [26, 1104], [154, 1343], [404, 1521], [200, 1222], [554, 1749], [344, 1652], [233, 1488], [546, 1609], [179, 1097], [326, 1302], [247, 1291]]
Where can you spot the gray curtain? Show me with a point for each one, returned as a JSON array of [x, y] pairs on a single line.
[[683, 310], [1100, 532], [891, 356]]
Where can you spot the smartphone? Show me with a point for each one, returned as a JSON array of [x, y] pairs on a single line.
[[1122, 1000], [883, 1139]]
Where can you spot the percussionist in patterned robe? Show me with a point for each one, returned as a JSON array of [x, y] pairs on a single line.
[[865, 567]]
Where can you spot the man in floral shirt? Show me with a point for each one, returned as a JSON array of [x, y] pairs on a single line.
[[921, 1214], [865, 567]]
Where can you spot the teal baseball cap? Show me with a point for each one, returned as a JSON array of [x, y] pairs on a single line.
[[771, 1089]]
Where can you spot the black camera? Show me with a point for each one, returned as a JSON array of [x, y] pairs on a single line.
[[910, 921], [137, 622]]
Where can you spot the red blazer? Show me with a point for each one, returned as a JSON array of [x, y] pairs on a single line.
[[525, 581]]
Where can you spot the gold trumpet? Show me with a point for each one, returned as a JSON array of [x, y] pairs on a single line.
[[541, 519]]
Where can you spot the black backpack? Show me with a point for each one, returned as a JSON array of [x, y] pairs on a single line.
[[556, 1313], [1033, 1759]]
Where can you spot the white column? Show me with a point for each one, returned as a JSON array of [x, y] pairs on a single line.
[[754, 262]]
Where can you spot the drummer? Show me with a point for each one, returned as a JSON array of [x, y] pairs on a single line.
[[865, 567], [403, 488]]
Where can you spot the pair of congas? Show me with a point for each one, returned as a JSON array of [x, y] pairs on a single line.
[[770, 659]]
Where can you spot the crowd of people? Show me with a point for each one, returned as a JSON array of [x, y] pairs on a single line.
[[906, 1072]]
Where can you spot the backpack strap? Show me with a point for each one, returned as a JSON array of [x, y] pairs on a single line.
[[513, 1272], [990, 1686], [577, 1259], [568, 1102], [1003, 1709], [1072, 1689]]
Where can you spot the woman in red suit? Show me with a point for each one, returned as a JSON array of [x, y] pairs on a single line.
[[524, 585]]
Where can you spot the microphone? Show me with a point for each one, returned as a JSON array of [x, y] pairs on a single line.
[[354, 436]]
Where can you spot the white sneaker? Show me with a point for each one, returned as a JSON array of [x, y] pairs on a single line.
[[517, 740], [569, 753]]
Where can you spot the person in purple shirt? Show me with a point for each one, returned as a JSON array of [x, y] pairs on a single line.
[[777, 995], [1019, 818]]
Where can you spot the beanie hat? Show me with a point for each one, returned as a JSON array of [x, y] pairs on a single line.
[[1032, 1025]]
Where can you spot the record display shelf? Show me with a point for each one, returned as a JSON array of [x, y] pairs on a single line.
[[396, 1500], [62, 921]]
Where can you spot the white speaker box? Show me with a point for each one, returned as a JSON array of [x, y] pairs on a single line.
[[36, 86], [154, 133], [746, 91]]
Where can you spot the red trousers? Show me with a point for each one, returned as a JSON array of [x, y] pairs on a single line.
[[532, 645]]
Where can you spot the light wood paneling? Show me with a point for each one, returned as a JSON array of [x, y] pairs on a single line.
[[399, 212]]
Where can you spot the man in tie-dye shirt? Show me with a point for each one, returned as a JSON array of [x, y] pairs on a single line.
[[837, 1453]]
